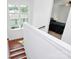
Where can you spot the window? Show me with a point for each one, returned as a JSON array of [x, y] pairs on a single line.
[[17, 15]]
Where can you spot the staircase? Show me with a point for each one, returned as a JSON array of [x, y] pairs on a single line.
[[16, 49]]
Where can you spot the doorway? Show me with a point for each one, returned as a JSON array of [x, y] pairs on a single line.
[[59, 15]]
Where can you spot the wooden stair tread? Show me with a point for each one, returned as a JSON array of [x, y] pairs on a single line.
[[13, 44], [21, 56], [16, 49], [17, 54]]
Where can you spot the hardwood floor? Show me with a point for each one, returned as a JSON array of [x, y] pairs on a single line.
[[55, 34], [16, 49]]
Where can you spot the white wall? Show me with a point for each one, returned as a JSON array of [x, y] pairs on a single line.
[[66, 37], [40, 45], [41, 13], [14, 34], [60, 11]]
